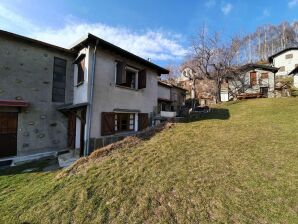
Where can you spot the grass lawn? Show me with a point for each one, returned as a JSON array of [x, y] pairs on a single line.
[[238, 164]]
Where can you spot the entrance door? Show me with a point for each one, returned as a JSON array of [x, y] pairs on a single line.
[[8, 134], [264, 91]]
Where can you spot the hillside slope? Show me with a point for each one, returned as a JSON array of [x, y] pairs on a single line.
[[237, 164]]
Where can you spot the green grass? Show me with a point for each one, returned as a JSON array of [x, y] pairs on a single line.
[[238, 164]]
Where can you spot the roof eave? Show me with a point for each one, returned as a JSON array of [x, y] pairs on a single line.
[[91, 39]]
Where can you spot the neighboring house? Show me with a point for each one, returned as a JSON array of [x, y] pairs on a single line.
[[286, 60], [115, 94], [34, 81], [294, 73], [255, 80], [170, 99]]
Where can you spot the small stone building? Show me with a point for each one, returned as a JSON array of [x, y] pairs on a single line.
[[33, 83], [254, 81]]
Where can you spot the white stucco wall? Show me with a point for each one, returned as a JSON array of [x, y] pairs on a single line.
[[289, 64], [108, 96], [163, 92], [296, 81]]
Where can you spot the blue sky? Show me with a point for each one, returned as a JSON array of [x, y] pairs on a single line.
[[161, 30]]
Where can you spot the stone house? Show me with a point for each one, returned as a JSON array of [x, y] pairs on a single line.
[[33, 83], [54, 99], [254, 81], [170, 99]]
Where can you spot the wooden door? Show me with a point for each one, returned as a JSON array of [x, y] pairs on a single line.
[[8, 134], [71, 138], [82, 134]]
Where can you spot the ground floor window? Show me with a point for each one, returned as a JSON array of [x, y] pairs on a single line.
[[124, 122]]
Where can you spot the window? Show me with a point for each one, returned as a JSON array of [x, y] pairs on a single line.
[[282, 69], [264, 75], [81, 70], [124, 122], [129, 77], [289, 56], [253, 78], [59, 80]]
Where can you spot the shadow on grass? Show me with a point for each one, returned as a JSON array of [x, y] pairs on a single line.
[[42, 165], [214, 114]]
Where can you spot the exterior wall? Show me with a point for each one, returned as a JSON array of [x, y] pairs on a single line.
[[164, 92], [296, 81], [26, 73], [108, 96], [289, 64], [236, 85]]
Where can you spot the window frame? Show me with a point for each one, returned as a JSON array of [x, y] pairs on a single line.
[[131, 69], [131, 121], [56, 81]]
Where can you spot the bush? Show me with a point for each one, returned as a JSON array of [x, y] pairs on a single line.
[[294, 92], [289, 80]]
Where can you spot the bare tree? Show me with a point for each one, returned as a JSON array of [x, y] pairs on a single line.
[[214, 59]]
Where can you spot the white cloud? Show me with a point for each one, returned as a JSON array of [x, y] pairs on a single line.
[[292, 3], [226, 8], [154, 44], [210, 3], [9, 18]]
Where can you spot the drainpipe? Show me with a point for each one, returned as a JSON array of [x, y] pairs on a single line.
[[90, 103]]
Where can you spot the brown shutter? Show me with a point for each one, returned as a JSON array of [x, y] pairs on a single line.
[[253, 78], [120, 73], [107, 123], [142, 79], [143, 121]]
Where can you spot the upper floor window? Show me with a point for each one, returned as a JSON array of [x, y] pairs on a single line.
[[59, 80], [80, 62], [264, 75], [282, 69], [289, 56], [129, 77]]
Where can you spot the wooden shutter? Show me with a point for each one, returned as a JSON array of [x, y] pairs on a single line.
[[142, 79], [120, 73], [143, 121], [107, 123], [253, 78]]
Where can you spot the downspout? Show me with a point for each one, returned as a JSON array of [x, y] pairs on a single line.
[[90, 103]]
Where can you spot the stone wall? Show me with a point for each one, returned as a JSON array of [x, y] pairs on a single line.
[[26, 73]]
